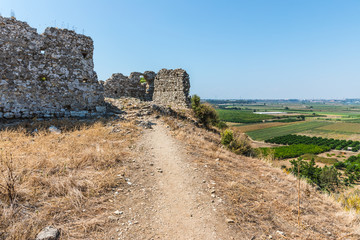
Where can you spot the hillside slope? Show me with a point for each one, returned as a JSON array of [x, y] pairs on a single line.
[[141, 175]]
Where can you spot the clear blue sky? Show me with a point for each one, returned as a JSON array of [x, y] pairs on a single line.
[[231, 49]]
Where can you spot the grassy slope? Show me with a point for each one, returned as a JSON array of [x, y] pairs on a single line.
[[262, 199], [263, 134]]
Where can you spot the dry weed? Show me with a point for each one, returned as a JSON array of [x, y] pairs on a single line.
[[59, 178]]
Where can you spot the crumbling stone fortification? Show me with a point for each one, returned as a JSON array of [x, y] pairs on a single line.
[[47, 75], [172, 88], [167, 87], [118, 85]]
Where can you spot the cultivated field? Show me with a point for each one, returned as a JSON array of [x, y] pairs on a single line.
[[252, 127], [241, 116], [342, 127], [263, 134]]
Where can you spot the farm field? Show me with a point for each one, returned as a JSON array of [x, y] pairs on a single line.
[[342, 127], [339, 119], [241, 116], [331, 134], [256, 126], [263, 134]]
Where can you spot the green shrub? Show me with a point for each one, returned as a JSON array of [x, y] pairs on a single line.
[[204, 112], [237, 144], [326, 178], [142, 80], [227, 137], [241, 145], [221, 125], [195, 101]]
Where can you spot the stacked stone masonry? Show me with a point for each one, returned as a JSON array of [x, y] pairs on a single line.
[[167, 87], [47, 75], [171, 88]]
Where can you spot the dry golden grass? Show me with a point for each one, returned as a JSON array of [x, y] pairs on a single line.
[[260, 198], [66, 179]]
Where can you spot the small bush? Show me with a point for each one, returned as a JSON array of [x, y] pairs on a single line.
[[238, 144], [204, 112], [221, 125], [326, 178], [241, 145], [227, 137]]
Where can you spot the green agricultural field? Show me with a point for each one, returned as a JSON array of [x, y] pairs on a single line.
[[241, 116], [342, 127], [293, 151], [263, 134]]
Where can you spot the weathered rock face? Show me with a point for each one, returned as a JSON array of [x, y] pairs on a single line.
[[47, 75], [171, 87], [119, 85]]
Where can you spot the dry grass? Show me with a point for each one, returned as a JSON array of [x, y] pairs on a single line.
[[260, 198], [350, 199], [66, 180]]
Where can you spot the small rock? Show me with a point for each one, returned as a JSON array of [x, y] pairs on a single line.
[[48, 233], [280, 232], [112, 218], [54, 129], [117, 212], [229, 220]]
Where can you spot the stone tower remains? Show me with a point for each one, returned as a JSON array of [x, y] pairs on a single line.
[[171, 87], [47, 75], [119, 85], [167, 87]]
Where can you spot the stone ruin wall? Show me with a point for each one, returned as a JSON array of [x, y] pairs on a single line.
[[119, 85], [172, 88], [47, 75], [167, 87]]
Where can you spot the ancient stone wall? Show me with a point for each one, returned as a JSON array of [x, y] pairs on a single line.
[[171, 88], [167, 87], [118, 85], [46, 75]]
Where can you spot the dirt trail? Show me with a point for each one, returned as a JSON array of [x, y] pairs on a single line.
[[182, 208]]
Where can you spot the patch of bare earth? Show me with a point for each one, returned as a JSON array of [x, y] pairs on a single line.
[[176, 201]]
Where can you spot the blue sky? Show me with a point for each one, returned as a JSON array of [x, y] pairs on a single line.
[[231, 49]]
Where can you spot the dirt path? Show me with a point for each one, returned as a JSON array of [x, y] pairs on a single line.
[[182, 208]]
